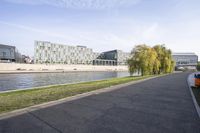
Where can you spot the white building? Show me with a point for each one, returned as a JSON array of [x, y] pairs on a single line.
[[53, 53], [47, 52], [185, 59]]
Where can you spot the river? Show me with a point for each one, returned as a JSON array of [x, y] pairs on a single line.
[[30, 80]]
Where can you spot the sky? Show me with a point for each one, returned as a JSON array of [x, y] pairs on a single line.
[[101, 24]]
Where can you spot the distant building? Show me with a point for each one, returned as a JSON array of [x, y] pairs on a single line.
[[119, 57], [9, 54], [47, 52], [185, 59], [27, 59]]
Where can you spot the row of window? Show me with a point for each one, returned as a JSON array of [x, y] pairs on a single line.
[[61, 47]]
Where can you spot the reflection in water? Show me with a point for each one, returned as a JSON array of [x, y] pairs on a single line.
[[21, 81]]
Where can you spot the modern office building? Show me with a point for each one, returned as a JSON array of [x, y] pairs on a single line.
[[9, 54], [185, 59], [117, 57], [47, 52]]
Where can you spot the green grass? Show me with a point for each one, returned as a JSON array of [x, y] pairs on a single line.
[[13, 100]]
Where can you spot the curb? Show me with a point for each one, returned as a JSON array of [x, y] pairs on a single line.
[[71, 98], [193, 97]]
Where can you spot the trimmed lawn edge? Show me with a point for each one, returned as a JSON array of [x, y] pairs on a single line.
[[16, 100]]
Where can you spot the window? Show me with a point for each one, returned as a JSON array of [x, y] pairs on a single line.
[[4, 54]]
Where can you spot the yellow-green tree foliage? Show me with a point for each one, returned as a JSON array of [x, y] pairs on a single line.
[[150, 60], [198, 66]]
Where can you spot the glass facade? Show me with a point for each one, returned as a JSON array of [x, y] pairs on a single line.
[[9, 54]]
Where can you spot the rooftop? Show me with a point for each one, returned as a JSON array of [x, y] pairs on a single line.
[[183, 53], [2, 45]]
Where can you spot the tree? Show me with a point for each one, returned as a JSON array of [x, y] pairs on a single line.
[[156, 67], [144, 60], [160, 51], [165, 58], [133, 66], [150, 60], [198, 66], [138, 60]]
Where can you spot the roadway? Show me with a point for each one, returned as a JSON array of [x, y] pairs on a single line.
[[160, 105]]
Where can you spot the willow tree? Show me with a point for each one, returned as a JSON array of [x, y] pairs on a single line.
[[133, 66], [143, 59], [153, 62], [156, 67], [141, 53], [148, 60], [136, 61], [198, 66], [161, 56], [165, 58]]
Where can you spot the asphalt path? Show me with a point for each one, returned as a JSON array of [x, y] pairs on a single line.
[[160, 105]]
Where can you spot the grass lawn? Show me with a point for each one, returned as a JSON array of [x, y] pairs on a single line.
[[24, 98]]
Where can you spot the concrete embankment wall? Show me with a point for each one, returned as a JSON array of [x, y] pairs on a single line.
[[8, 67]]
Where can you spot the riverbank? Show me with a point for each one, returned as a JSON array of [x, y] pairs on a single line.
[[6, 68], [14, 100], [32, 80]]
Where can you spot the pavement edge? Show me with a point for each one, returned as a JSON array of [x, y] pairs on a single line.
[[193, 97]]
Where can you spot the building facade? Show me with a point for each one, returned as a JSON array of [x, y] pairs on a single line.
[[117, 56], [9, 54], [185, 59], [47, 52]]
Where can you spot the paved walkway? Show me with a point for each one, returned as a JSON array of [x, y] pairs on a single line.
[[161, 105]]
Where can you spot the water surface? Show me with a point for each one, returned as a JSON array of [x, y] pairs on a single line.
[[29, 80]]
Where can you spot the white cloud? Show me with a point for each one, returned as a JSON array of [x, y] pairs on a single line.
[[80, 4]]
